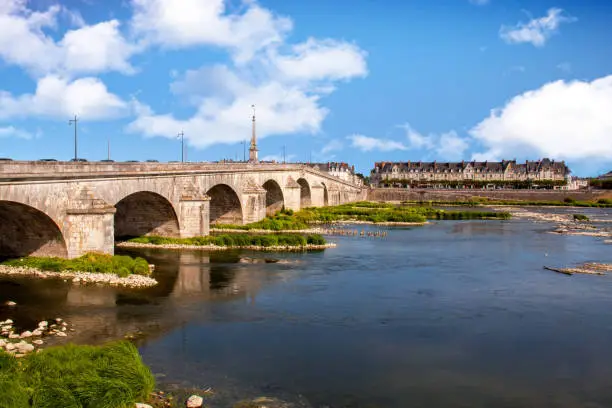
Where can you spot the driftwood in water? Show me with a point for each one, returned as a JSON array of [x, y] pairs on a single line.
[[563, 271], [587, 269]]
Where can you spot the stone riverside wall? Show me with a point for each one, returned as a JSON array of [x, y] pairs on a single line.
[[401, 194]]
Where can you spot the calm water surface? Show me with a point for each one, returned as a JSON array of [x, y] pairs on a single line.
[[454, 314]]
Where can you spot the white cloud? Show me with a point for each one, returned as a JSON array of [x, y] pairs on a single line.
[[445, 146], [332, 146], [56, 97], [88, 49], [286, 87], [562, 120], [451, 146], [321, 60], [278, 157], [206, 22], [417, 140], [11, 131], [367, 144], [537, 31]]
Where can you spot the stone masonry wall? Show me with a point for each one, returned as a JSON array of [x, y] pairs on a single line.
[[397, 194]]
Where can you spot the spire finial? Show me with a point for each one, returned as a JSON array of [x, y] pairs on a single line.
[[253, 149]]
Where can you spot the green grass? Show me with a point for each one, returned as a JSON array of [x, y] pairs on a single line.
[[364, 211], [110, 376], [93, 262], [238, 240], [581, 217]]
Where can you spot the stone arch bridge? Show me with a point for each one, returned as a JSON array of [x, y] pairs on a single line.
[[66, 209]]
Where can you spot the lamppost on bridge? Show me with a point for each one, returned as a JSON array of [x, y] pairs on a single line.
[[70, 122], [244, 142], [182, 136]]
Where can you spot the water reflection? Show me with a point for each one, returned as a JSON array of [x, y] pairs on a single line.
[[187, 282]]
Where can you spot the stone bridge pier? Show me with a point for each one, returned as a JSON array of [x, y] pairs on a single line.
[[67, 210]]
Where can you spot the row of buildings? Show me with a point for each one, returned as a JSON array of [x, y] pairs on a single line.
[[506, 173]]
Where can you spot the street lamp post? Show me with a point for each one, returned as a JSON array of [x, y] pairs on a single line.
[[182, 136], [70, 122], [244, 142]]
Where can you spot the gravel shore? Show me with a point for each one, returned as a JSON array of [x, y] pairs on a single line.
[[132, 281], [283, 248]]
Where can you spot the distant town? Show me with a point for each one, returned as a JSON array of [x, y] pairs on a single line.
[[505, 174]]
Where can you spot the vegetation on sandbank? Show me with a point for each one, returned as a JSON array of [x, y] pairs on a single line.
[[120, 265], [363, 211], [241, 240]]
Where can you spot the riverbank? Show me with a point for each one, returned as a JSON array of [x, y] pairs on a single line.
[[92, 268], [76, 376], [272, 248], [79, 277]]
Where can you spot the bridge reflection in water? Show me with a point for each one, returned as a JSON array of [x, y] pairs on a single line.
[[190, 285]]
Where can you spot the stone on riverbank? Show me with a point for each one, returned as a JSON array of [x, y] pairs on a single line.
[[141, 405], [10, 303], [131, 281], [195, 401]]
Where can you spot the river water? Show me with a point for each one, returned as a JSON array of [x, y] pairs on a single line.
[[453, 314]]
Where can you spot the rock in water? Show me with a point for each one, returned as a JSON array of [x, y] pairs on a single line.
[[194, 402], [140, 405], [10, 303], [26, 334]]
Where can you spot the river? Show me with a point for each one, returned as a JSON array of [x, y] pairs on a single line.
[[452, 314]]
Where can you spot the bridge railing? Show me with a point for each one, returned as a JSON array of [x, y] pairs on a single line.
[[13, 171]]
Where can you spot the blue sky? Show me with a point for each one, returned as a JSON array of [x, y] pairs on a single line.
[[358, 81]]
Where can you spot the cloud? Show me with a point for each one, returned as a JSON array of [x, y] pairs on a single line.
[[58, 98], [479, 2], [445, 146], [206, 22], [278, 157], [367, 144], [11, 131], [285, 82], [537, 31], [451, 146], [332, 146], [87, 49], [563, 120], [321, 60]]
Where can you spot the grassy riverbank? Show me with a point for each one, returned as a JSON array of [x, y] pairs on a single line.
[[71, 376], [239, 240], [361, 212], [90, 263]]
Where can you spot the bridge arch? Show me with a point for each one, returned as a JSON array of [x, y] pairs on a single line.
[[225, 206], [275, 200], [145, 213], [305, 196], [325, 195], [25, 230]]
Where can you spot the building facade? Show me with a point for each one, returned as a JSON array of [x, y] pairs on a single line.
[[509, 173], [341, 170]]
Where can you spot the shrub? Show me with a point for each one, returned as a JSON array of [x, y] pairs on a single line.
[[580, 217]]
